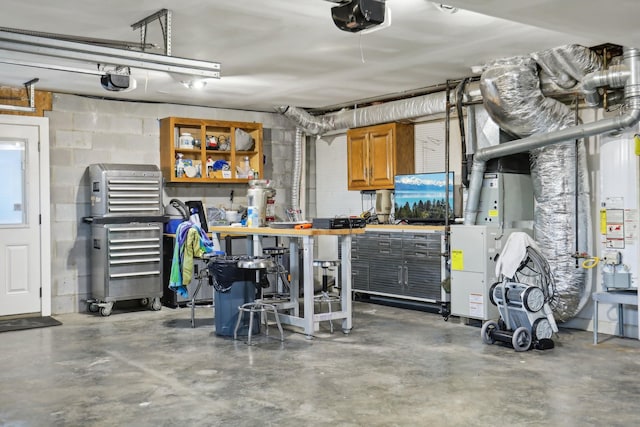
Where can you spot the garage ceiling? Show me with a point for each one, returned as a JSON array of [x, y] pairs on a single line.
[[289, 52]]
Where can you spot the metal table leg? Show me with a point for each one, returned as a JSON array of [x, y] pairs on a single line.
[[345, 261], [595, 320], [307, 256], [193, 303]]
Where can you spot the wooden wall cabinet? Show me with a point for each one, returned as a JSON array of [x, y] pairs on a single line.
[[377, 153], [203, 156]]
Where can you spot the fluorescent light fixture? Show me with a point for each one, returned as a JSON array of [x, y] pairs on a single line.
[[107, 55]]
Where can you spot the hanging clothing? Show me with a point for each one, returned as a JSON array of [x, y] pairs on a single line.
[[191, 241], [513, 253]]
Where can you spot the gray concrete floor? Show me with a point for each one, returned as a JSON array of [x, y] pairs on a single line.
[[398, 367]]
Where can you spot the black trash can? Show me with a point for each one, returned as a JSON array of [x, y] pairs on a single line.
[[233, 286]]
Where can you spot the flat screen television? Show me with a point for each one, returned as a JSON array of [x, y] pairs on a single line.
[[422, 197]]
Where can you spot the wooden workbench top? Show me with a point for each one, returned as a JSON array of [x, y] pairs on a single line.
[[268, 231], [405, 227]]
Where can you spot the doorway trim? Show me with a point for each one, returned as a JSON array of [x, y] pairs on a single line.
[[42, 123]]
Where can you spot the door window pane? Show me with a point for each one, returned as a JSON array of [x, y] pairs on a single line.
[[12, 179]]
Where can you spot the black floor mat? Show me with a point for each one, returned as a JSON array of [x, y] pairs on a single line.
[[27, 323]]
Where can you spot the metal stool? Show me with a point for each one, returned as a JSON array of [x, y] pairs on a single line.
[[257, 307], [325, 296], [260, 265], [280, 294]]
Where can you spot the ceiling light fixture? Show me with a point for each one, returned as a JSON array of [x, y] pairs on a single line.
[[106, 55]]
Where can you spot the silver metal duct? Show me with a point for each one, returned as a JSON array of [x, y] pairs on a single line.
[[614, 77], [513, 99], [404, 109], [552, 177], [297, 170], [567, 65]]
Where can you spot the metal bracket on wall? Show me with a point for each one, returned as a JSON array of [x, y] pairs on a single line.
[[164, 18], [30, 88]]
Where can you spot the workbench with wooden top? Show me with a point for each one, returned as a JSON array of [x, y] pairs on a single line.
[[304, 239]]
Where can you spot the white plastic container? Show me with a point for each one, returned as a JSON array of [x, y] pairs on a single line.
[[232, 216], [186, 141], [253, 217], [179, 166]]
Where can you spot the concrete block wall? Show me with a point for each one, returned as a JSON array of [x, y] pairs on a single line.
[[88, 130]]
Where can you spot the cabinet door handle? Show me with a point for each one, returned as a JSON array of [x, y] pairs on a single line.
[[400, 275], [406, 276]]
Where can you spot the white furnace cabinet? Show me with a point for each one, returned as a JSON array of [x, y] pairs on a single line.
[[474, 253]]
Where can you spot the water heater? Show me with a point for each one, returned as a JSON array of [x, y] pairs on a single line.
[[619, 205]]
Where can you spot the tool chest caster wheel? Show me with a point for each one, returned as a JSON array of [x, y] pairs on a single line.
[[105, 311], [155, 304]]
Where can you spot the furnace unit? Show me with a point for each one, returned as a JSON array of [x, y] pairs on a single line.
[[474, 252]]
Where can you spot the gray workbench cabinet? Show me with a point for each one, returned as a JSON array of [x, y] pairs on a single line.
[[404, 264]]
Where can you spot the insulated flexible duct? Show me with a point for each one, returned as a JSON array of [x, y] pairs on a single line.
[[511, 90], [421, 106], [297, 170], [553, 166], [404, 109], [567, 65]]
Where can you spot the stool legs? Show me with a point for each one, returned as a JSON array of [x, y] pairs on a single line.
[[235, 330], [275, 313], [263, 309], [325, 297]]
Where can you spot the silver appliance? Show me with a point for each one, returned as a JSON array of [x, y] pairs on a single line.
[[126, 231], [383, 205], [258, 195], [497, 209]]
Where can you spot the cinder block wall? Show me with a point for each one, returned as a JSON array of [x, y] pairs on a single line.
[[88, 130]]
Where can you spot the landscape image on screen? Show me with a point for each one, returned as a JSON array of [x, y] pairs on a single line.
[[422, 197]]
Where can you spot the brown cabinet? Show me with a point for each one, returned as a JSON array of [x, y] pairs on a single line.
[[377, 153], [219, 152]]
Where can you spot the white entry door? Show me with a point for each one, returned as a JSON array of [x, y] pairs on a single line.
[[21, 217]]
